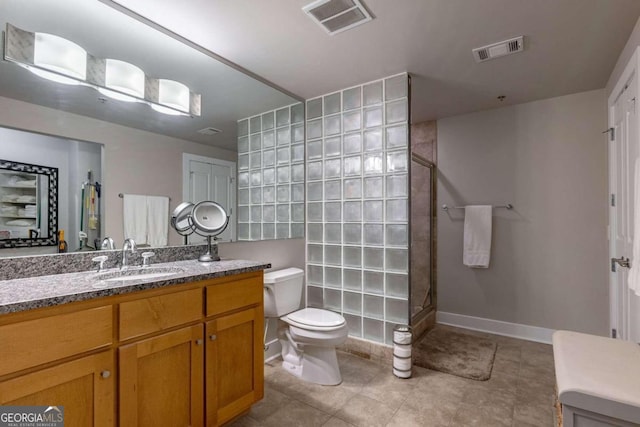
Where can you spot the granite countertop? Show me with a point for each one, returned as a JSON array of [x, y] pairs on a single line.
[[46, 291]]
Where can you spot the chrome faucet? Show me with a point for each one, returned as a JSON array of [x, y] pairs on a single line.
[[129, 244], [107, 243]]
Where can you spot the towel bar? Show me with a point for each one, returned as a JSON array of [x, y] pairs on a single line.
[[122, 196], [507, 206]]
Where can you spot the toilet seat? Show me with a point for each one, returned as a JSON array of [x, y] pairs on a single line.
[[315, 319]]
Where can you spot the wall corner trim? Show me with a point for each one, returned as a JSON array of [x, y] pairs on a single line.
[[514, 330]]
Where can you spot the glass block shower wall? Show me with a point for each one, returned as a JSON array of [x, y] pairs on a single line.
[[357, 206], [271, 174]]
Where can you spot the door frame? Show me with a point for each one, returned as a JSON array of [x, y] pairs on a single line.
[[186, 158], [615, 305]]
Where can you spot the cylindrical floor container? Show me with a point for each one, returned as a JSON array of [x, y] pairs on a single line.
[[402, 338]]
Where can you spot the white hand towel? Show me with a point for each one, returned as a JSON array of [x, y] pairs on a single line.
[[157, 220], [477, 236], [634, 274], [135, 218]]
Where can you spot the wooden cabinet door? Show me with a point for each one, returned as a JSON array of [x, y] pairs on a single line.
[[84, 387], [234, 364], [161, 380]]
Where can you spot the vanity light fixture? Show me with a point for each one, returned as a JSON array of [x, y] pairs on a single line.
[[67, 60], [58, 59], [123, 81], [174, 95]]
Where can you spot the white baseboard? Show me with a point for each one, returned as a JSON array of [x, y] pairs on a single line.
[[514, 330]]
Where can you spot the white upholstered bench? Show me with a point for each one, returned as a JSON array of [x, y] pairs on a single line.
[[598, 380]]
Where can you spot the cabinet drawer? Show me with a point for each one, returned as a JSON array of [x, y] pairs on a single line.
[[147, 315], [233, 295], [39, 341]]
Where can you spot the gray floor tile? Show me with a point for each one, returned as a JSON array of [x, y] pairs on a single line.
[[482, 396], [535, 347], [532, 393], [439, 403], [533, 414], [282, 381], [481, 416], [272, 401], [448, 386], [388, 389], [505, 383], [510, 352], [325, 398], [505, 368], [538, 374], [363, 411], [244, 421], [297, 414], [519, 393], [407, 416], [336, 422], [433, 408]]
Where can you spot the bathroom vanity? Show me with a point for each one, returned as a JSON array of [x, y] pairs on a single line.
[[179, 350]]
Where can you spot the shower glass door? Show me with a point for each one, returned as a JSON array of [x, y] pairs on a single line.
[[422, 277]]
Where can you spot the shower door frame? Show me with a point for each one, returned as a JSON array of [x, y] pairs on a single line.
[[413, 319]]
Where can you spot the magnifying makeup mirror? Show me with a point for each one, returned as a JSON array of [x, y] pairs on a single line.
[[180, 218], [206, 218]]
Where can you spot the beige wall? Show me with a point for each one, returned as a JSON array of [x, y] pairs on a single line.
[[623, 59], [549, 255], [136, 161], [280, 253]]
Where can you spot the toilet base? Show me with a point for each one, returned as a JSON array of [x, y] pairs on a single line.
[[317, 365], [311, 355]]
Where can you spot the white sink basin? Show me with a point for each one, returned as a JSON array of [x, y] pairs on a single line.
[[132, 274]]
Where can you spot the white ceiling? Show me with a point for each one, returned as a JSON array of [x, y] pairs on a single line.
[[571, 46]]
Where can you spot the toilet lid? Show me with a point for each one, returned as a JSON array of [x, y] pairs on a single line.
[[316, 317]]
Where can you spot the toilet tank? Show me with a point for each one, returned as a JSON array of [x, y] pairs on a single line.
[[282, 291]]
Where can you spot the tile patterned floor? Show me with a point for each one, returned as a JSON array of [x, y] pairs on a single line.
[[519, 394]]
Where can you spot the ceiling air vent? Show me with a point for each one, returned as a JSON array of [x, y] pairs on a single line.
[[336, 16], [209, 131], [496, 50]]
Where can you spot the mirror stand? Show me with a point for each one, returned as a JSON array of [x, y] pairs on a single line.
[[207, 256]]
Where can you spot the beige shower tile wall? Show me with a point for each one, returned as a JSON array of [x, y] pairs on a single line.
[[424, 137]]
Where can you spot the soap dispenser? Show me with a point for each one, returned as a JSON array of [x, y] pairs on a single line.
[[62, 244]]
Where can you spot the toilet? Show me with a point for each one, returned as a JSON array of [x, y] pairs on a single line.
[[308, 336]]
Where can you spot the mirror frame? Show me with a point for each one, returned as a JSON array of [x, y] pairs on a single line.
[[52, 174]]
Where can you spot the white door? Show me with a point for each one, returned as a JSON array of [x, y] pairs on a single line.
[[210, 179], [624, 148]]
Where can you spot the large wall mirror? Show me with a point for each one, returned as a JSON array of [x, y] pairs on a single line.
[[115, 140]]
